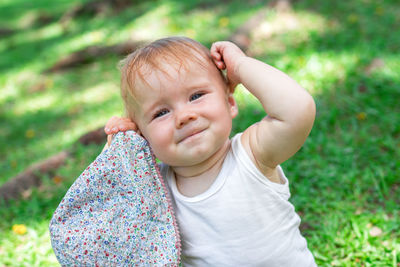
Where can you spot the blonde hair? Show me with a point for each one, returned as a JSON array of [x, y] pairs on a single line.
[[177, 51]]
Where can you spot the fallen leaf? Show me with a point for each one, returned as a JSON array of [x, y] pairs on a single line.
[[223, 22], [14, 164], [379, 11], [57, 179], [19, 229], [352, 18], [30, 133], [361, 116]]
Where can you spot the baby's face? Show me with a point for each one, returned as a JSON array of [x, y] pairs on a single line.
[[186, 116]]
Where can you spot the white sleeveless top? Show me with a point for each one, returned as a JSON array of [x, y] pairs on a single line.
[[243, 219]]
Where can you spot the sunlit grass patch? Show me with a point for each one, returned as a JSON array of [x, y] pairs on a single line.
[[32, 247], [43, 122], [17, 249]]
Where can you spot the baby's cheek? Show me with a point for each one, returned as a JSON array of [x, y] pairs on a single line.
[[158, 146], [162, 156], [160, 138]]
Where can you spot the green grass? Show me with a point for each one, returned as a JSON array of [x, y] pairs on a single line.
[[345, 181]]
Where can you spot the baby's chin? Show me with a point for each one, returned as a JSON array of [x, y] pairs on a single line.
[[195, 160], [179, 163], [183, 162]]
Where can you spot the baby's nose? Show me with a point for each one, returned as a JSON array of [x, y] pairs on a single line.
[[184, 118]]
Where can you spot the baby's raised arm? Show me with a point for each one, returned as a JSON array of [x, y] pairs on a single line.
[[290, 108]]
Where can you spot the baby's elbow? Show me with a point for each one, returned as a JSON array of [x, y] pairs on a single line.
[[305, 113], [311, 109]]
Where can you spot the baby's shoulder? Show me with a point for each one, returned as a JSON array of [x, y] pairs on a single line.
[[241, 148]]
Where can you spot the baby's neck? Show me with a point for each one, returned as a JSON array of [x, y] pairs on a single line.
[[194, 180]]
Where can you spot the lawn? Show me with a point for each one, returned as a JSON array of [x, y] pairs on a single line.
[[345, 181]]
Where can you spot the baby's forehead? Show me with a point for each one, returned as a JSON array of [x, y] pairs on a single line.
[[172, 71], [167, 64]]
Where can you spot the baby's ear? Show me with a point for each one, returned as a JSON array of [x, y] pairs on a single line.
[[233, 105], [231, 84], [223, 76], [231, 87]]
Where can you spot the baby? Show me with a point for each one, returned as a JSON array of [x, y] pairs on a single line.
[[230, 195]]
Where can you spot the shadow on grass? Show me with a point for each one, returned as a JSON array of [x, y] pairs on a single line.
[[21, 52]]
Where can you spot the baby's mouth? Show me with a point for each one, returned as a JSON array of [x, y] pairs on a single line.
[[189, 134]]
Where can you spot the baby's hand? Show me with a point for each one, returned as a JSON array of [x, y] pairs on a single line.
[[118, 124], [227, 55]]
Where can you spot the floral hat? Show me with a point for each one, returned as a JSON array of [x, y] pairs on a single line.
[[118, 211]]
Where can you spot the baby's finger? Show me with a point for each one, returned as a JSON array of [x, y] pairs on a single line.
[[111, 124], [215, 51], [218, 62], [126, 126], [108, 130], [215, 55], [109, 139], [112, 130], [122, 128], [221, 65]]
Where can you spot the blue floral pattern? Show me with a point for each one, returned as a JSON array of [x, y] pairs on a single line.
[[118, 212]]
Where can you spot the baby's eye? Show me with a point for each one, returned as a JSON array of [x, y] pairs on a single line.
[[160, 113], [196, 96]]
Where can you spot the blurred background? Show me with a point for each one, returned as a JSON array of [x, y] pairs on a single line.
[[59, 84]]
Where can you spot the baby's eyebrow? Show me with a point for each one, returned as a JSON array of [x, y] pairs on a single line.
[[147, 110], [198, 86]]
